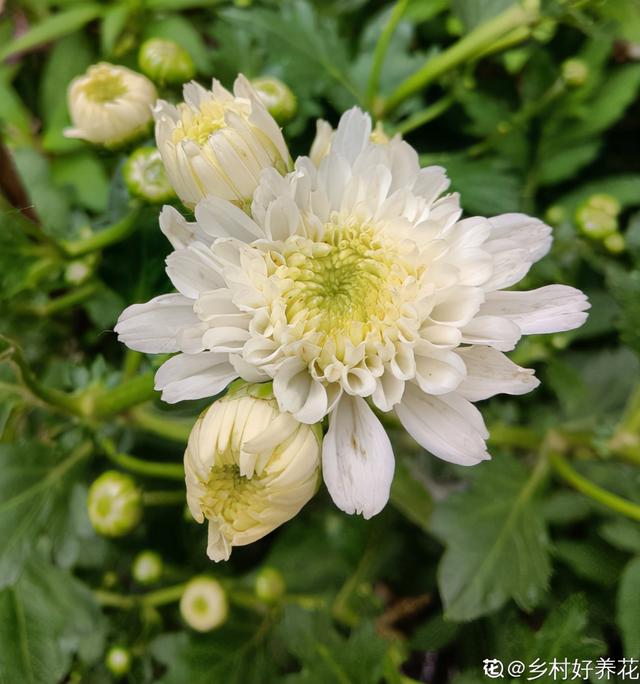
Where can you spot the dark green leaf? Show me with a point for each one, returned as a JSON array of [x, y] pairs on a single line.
[[629, 608]]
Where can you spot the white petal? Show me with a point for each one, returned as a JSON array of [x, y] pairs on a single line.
[[220, 218], [357, 459], [298, 393], [549, 309], [153, 327], [494, 331], [192, 270], [180, 232], [490, 372], [352, 134], [448, 426], [194, 376], [438, 371]]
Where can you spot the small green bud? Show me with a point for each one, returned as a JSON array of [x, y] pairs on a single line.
[[145, 176], [606, 203], [118, 661], [575, 72], [544, 30], [164, 61], [555, 215], [76, 272], [114, 503], [147, 567], [270, 585], [109, 579], [277, 98], [595, 223], [454, 26], [615, 243], [203, 605]]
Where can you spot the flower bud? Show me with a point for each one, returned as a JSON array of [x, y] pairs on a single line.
[[114, 503], [277, 98], [118, 661], [164, 61], [555, 215], [595, 223], [147, 567], [574, 72], [615, 243], [110, 105], [203, 605], [145, 176], [217, 143], [249, 468], [270, 585], [607, 203]]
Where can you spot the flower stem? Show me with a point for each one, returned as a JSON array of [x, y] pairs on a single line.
[[169, 471], [159, 423], [425, 115], [381, 50], [465, 49], [129, 393], [616, 503], [168, 498], [160, 597], [66, 301]]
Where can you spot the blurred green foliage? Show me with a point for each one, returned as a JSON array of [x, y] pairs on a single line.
[[534, 555]]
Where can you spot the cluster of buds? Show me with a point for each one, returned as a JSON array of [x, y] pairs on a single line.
[[597, 219]]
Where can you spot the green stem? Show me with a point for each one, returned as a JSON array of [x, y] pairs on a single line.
[[132, 361], [501, 434], [66, 301], [616, 503], [169, 471], [168, 498], [160, 597], [175, 429], [381, 50], [137, 390], [465, 49], [425, 115], [103, 238]]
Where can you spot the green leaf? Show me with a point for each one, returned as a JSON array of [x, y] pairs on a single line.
[[35, 484], [625, 188], [46, 617], [560, 161], [181, 31], [325, 656], [632, 238], [113, 24], [625, 288], [54, 26], [590, 560], [472, 13], [628, 612], [496, 542], [623, 534], [410, 496], [85, 176]]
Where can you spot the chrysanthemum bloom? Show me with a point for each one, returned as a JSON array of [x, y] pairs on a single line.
[[217, 143], [110, 104], [249, 467], [355, 280]]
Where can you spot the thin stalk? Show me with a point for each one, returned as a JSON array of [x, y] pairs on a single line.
[[137, 390], [169, 471], [513, 436], [612, 501], [425, 115], [103, 238], [168, 498], [66, 301], [175, 429], [381, 50], [160, 597], [468, 47], [132, 361]]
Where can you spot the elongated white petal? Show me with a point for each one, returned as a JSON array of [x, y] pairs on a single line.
[[448, 426], [220, 218], [352, 134], [180, 232], [153, 327], [298, 393], [494, 331], [549, 309], [192, 270], [357, 458], [194, 376], [490, 372]]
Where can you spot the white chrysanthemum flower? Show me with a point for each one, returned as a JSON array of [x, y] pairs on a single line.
[[217, 143], [110, 104], [354, 280], [249, 467]]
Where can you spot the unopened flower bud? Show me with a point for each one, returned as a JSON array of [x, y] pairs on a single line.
[[270, 585], [114, 503], [203, 605], [110, 105], [147, 567], [78, 271], [249, 468], [607, 203], [217, 143], [145, 176], [555, 215], [118, 661], [615, 243], [574, 72], [595, 223], [277, 98], [164, 61]]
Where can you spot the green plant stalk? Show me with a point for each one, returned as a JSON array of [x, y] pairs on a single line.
[[616, 503], [161, 424], [465, 49], [168, 498], [425, 115], [169, 471], [108, 236], [135, 391], [66, 301], [381, 50], [160, 597]]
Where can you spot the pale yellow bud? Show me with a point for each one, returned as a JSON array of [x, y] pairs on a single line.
[[277, 97], [110, 105], [249, 468], [203, 605], [217, 143]]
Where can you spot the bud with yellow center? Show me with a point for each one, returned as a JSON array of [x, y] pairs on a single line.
[[249, 468], [203, 605], [217, 143], [277, 97], [145, 176], [114, 503], [110, 105]]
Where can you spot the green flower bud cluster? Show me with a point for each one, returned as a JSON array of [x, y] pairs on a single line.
[[270, 586], [165, 62], [597, 219], [575, 72], [277, 98], [114, 504], [145, 176]]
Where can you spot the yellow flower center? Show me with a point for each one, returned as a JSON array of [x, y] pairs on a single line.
[[104, 85], [230, 495], [200, 124]]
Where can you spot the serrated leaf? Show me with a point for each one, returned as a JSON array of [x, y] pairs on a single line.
[[35, 481], [496, 543], [625, 288], [45, 618], [628, 613]]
